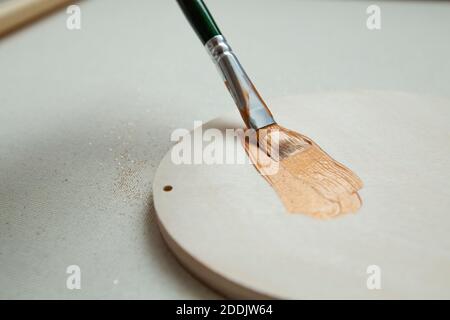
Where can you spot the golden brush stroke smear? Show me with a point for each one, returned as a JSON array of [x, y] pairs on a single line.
[[309, 181]]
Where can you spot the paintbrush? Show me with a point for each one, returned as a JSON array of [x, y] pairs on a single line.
[[300, 156], [276, 140]]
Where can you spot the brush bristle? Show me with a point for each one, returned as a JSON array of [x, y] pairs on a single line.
[[280, 143]]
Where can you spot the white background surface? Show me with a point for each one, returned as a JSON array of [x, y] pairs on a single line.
[[86, 116]]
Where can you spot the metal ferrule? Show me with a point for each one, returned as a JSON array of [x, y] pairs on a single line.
[[253, 109]]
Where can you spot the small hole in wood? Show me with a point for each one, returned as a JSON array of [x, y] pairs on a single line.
[[167, 188]]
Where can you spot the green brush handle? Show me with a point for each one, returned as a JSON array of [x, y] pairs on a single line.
[[200, 19]]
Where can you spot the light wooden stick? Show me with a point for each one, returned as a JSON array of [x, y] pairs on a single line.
[[16, 13]]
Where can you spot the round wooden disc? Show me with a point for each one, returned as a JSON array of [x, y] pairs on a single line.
[[228, 227]]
